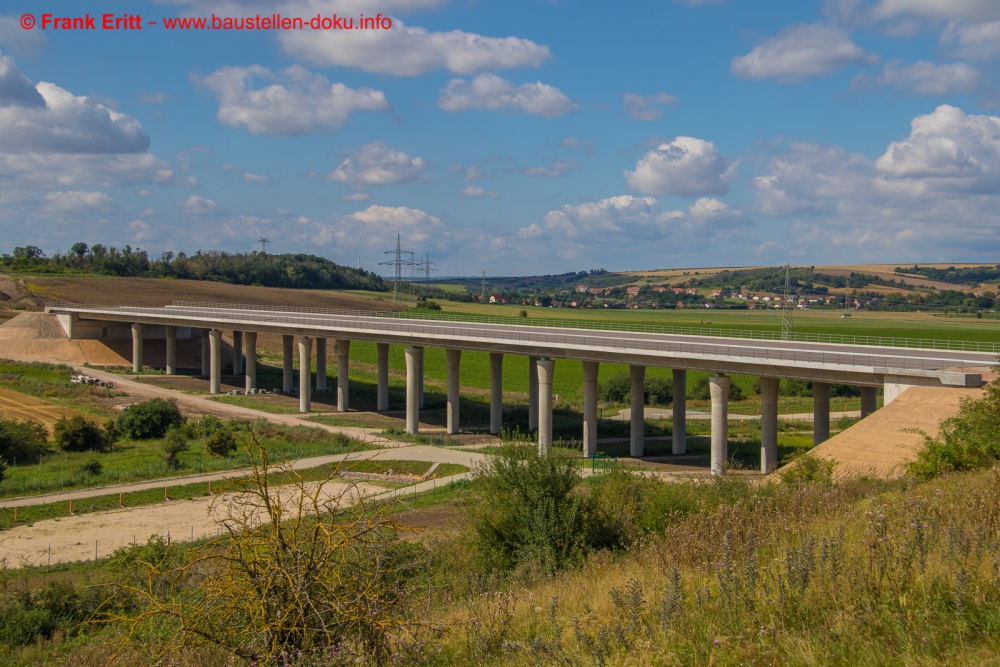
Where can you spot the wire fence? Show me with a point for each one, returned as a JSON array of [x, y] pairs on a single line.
[[532, 338]]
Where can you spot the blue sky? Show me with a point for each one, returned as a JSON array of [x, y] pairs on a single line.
[[518, 137]]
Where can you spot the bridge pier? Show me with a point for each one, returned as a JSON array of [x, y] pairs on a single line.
[[383, 376], [869, 400], [206, 354], [414, 359], [287, 381], [821, 412], [305, 373], [719, 389], [638, 416], [768, 424], [496, 392], [237, 353], [546, 367], [679, 438], [343, 373], [454, 366], [321, 364], [215, 351], [137, 332], [171, 367], [251, 370], [532, 394], [590, 369]]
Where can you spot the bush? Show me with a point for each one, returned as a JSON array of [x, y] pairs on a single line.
[[208, 425], [701, 391], [221, 443], [79, 435], [794, 388], [174, 444], [27, 440], [967, 441], [618, 389], [93, 467], [527, 513], [149, 420], [808, 469]]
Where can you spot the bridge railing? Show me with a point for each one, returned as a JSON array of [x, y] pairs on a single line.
[[832, 339], [740, 353]]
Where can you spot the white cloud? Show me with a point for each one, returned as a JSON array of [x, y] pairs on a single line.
[[144, 193], [638, 107], [489, 91], [473, 173], [376, 164], [930, 79], [686, 166], [247, 176], [557, 169], [979, 41], [77, 201], [572, 143], [355, 196], [936, 9], [195, 205], [377, 223], [800, 51], [933, 194], [476, 191], [296, 102], [410, 51]]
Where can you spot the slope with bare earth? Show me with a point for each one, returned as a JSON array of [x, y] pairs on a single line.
[[883, 443]]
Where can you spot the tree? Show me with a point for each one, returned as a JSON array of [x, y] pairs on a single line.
[[221, 443], [175, 443], [79, 249], [78, 434], [300, 568], [148, 420], [25, 440]]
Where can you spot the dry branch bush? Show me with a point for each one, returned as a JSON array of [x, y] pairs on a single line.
[[302, 567]]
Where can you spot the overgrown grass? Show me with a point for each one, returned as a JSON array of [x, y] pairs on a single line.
[[50, 382]]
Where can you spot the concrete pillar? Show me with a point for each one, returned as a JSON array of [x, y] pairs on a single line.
[[496, 392], [137, 332], [679, 439], [546, 368], [869, 400], [305, 374], [206, 354], [251, 371], [638, 416], [420, 378], [454, 365], [590, 369], [768, 424], [532, 393], [414, 357], [343, 371], [383, 376], [321, 364], [215, 374], [719, 388], [821, 412], [171, 350], [287, 379], [237, 353]]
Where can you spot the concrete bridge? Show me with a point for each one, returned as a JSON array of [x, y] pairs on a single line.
[[823, 364]]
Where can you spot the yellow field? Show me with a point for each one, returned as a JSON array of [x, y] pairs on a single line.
[[20, 406]]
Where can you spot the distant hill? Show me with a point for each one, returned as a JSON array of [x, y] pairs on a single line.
[[298, 271]]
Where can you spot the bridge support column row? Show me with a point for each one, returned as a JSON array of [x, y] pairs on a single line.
[[343, 370]]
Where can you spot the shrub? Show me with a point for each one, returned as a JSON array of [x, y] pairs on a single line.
[[794, 388], [93, 467], [174, 444], [27, 440], [149, 420], [701, 391], [618, 389], [77, 434], [967, 441], [808, 469], [522, 313], [208, 425], [659, 391], [527, 513], [221, 443]]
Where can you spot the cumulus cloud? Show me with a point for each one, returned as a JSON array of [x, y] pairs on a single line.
[[557, 169], [638, 107], [930, 79], [476, 191], [975, 41], [410, 51], [76, 201], [195, 205], [491, 92], [935, 9], [376, 164], [934, 192], [377, 223], [686, 166], [246, 175], [800, 51], [17, 40], [296, 102]]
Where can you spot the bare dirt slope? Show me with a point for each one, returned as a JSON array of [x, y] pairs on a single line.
[[39, 336], [885, 441]]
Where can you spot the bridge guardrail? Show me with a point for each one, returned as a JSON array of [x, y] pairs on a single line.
[[253, 316]]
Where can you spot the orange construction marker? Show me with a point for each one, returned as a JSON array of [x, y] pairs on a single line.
[[165, 493], [120, 503], [15, 515], [71, 507]]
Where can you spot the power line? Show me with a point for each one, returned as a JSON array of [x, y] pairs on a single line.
[[399, 259]]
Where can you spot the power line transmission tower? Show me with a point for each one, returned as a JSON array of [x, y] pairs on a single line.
[[399, 259], [786, 307], [263, 240]]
